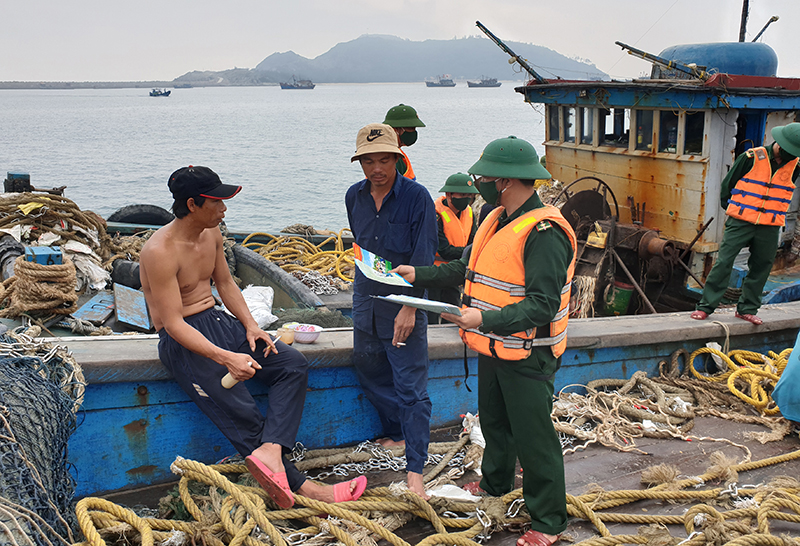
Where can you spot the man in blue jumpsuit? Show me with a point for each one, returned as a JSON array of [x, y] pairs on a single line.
[[394, 218]]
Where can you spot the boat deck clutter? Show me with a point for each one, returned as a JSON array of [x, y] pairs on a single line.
[[324, 270], [691, 453]]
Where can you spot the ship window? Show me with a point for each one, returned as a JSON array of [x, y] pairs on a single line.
[[587, 125], [552, 123], [615, 126], [569, 124], [668, 132], [644, 130], [695, 127]]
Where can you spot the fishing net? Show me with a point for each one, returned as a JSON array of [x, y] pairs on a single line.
[[41, 388]]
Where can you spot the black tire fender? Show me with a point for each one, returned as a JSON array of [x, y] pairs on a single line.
[[151, 215]]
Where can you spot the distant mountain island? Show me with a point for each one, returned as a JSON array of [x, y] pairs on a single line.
[[381, 58]]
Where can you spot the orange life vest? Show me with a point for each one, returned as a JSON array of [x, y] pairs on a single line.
[[496, 278], [456, 229], [761, 197], [409, 169]]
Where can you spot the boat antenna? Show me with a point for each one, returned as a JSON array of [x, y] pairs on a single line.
[[514, 57], [771, 20], [666, 63]]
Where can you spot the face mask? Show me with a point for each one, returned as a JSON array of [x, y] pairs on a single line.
[[408, 138], [489, 192], [460, 203], [786, 157]]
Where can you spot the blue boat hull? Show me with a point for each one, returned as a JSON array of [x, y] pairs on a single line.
[[136, 420]]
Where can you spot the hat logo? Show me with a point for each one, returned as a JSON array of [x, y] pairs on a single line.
[[373, 134]]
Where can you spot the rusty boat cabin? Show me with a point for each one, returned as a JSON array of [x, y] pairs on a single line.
[[642, 162]]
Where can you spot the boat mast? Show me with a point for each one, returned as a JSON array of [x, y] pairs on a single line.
[[743, 25], [514, 57]]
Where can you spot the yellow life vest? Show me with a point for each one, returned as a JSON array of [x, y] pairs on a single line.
[[456, 229], [761, 197], [496, 278]]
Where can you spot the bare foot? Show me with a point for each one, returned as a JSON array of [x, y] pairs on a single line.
[[415, 485], [321, 492], [271, 455], [388, 442]]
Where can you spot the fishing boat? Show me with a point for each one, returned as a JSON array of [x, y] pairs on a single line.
[[484, 82], [136, 419], [297, 84], [441, 81], [160, 93], [641, 162]]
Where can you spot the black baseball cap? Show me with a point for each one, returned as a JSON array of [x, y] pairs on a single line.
[[192, 181]]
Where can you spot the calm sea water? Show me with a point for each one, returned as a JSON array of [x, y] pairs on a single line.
[[289, 149]]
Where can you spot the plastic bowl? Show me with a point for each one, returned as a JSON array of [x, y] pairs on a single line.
[[306, 333]]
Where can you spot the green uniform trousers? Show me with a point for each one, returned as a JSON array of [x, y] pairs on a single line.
[[514, 403], [763, 244]]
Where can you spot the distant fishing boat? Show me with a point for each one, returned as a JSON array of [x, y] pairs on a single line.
[[484, 82], [297, 84], [441, 81], [160, 93]]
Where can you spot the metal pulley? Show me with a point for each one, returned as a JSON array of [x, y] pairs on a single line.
[[652, 246]]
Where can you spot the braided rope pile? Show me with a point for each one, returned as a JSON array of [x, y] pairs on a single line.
[[57, 215], [305, 260], [616, 412], [37, 288], [236, 513]]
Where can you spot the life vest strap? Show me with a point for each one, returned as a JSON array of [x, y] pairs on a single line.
[[513, 289], [757, 209], [513, 342], [509, 342], [760, 196], [769, 184], [470, 301]]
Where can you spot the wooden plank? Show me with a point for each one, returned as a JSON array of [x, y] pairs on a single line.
[[131, 308]]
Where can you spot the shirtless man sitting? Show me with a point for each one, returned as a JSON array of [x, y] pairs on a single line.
[[200, 344]]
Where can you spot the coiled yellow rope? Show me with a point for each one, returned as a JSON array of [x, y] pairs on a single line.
[[758, 372], [244, 508], [298, 254]]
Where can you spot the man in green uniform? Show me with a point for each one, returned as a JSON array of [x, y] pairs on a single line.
[[456, 224], [515, 395], [756, 210], [404, 120]]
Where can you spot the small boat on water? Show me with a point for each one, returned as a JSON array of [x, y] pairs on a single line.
[[484, 82], [160, 92], [441, 81], [297, 84]]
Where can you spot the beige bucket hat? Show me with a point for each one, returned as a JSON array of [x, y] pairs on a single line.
[[376, 138]]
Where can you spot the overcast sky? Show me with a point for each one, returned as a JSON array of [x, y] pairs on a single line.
[[109, 40]]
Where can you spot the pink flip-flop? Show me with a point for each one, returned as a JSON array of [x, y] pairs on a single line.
[[535, 538], [274, 483], [341, 491]]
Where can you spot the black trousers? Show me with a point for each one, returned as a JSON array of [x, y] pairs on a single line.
[[234, 411]]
